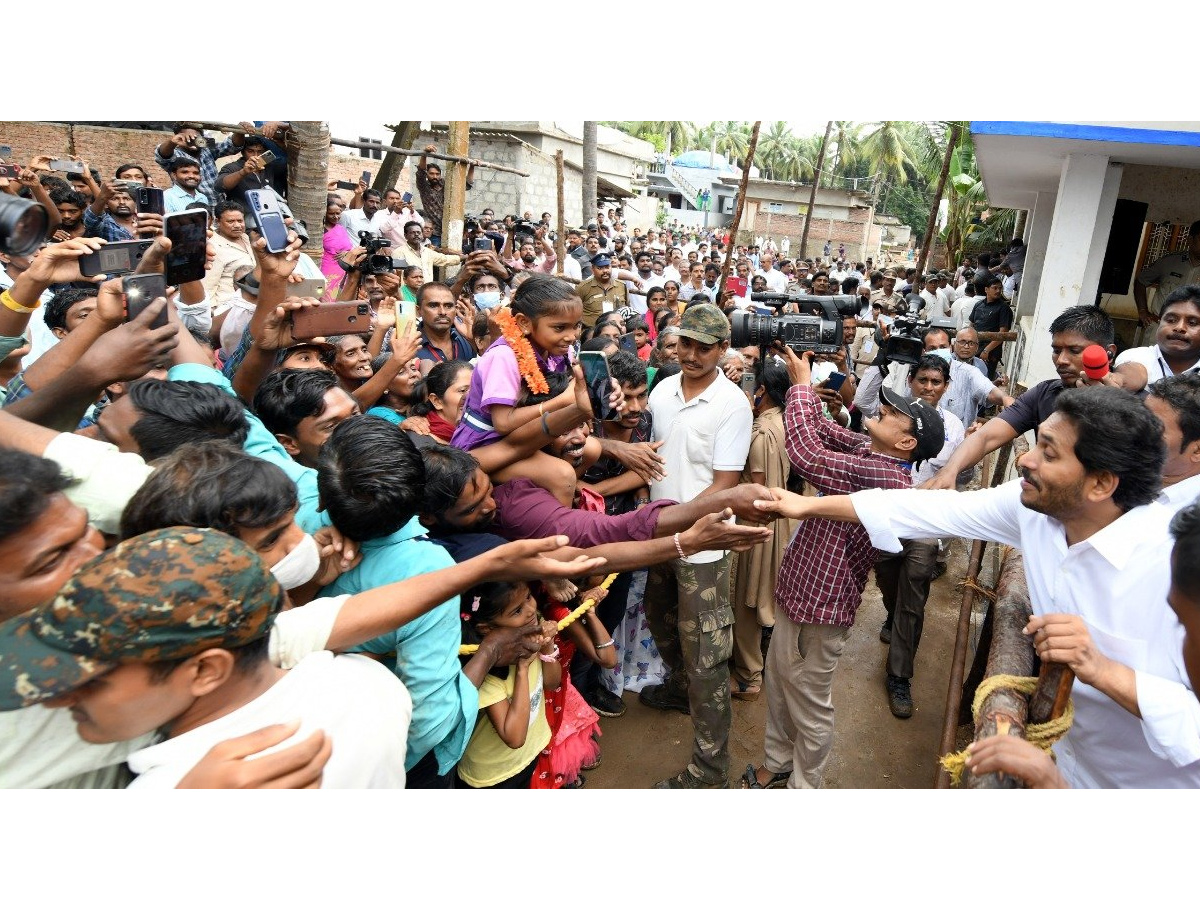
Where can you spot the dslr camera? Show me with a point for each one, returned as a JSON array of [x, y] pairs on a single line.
[[820, 332]]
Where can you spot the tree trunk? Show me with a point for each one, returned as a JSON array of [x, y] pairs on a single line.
[[308, 178], [389, 173], [737, 212], [560, 240], [927, 243], [456, 187], [812, 195], [588, 197]]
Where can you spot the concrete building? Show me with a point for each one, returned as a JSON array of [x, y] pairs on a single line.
[[777, 209], [1070, 177], [621, 162]]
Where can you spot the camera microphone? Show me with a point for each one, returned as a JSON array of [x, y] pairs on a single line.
[[1095, 362]]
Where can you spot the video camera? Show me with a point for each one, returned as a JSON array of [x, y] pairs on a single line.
[[375, 263], [523, 228], [820, 332], [23, 225], [906, 339]]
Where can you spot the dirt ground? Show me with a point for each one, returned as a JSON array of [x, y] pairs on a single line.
[[871, 749]]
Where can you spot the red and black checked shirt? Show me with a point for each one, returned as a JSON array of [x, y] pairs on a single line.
[[825, 566]]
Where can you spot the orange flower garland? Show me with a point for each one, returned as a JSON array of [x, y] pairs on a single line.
[[527, 362]]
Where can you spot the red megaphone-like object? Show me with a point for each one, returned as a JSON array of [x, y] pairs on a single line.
[[1095, 362]]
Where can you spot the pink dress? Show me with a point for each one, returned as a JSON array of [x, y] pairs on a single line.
[[335, 240]]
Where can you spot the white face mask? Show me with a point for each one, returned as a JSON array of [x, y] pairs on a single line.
[[943, 352], [300, 565], [487, 299]]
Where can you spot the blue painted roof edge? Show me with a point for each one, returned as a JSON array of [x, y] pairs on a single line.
[[1088, 133]]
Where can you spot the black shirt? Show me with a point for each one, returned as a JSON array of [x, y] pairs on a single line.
[[996, 316], [254, 182], [1034, 406]]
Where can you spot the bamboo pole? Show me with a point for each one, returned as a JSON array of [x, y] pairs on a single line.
[[737, 212], [369, 145], [1005, 711], [560, 241], [958, 663]]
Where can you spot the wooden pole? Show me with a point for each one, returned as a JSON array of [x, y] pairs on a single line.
[[958, 663], [927, 243], [812, 194], [1049, 700], [1005, 711], [389, 172], [560, 242], [368, 145], [741, 205], [456, 187]]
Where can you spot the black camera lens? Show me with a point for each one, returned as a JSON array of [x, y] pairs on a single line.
[[23, 225]]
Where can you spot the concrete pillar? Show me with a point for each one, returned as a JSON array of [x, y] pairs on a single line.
[[1083, 210], [1037, 234]]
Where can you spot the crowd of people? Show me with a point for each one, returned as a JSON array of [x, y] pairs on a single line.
[[216, 522]]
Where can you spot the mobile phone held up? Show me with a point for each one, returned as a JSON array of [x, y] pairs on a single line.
[[114, 258], [187, 231], [329, 319], [150, 200], [267, 220], [140, 292], [483, 243], [266, 158], [599, 383], [834, 381], [73, 166], [366, 177]]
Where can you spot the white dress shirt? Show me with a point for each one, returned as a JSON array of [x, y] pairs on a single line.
[[1152, 361], [776, 281], [1117, 581]]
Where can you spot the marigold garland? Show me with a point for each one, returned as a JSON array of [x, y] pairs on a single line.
[[527, 361]]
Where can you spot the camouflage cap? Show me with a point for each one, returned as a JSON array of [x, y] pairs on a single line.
[[164, 595], [705, 323]]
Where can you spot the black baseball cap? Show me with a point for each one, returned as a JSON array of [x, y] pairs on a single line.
[[927, 423]]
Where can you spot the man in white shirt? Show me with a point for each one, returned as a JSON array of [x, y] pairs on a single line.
[[704, 420], [368, 218], [1096, 555], [1176, 403], [930, 303], [776, 281], [945, 293], [1176, 348]]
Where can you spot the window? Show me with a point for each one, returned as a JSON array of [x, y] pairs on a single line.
[[373, 153], [775, 207]]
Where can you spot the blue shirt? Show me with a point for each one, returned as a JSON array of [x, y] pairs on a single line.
[[386, 413], [176, 199], [104, 226], [208, 157], [461, 346], [261, 443], [445, 703]]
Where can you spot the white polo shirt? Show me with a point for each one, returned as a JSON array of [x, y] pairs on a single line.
[[710, 432], [1152, 359]]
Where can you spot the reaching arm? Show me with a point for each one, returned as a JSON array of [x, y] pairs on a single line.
[[510, 717], [996, 433]]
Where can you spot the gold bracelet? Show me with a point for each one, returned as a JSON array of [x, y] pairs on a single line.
[[8, 300]]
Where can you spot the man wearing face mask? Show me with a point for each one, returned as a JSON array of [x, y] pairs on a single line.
[[486, 291]]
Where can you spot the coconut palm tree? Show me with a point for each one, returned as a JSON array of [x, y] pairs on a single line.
[[886, 149], [844, 136], [778, 153], [732, 138], [588, 200], [308, 175]]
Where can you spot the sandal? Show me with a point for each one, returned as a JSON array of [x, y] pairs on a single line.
[[740, 690], [750, 779]]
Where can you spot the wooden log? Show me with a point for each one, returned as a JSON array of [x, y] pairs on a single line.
[[958, 664], [1005, 711], [1049, 700]]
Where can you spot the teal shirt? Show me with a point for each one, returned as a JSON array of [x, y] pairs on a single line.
[[261, 443], [386, 413], [445, 703]]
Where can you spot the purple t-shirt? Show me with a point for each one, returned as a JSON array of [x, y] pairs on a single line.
[[496, 380], [524, 510]]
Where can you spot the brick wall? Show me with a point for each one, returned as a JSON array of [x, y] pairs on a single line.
[[849, 233], [106, 148]]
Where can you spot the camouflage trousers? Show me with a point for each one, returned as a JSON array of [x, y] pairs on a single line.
[[690, 616]]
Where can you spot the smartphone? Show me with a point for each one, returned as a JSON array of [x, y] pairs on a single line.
[[9, 170], [115, 258], [406, 197], [131, 187], [748, 383], [267, 157], [267, 221], [67, 165], [346, 186], [738, 286], [140, 292], [329, 319], [599, 383], [483, 243], [309, 287], [187, 232], [834, 381], [628, 344], [366, 177], [150, 200], [5, 152]]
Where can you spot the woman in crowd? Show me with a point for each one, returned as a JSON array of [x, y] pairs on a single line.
[[335, 241]]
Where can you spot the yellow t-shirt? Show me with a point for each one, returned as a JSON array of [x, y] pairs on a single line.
[[488, 759]]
